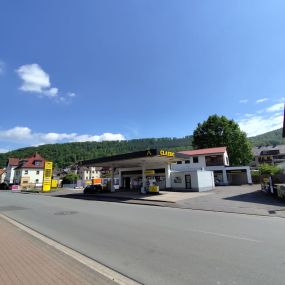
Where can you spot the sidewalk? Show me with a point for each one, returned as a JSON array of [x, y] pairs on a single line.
[[26, 260]]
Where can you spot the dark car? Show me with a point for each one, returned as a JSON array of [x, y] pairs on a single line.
[[90, 189]]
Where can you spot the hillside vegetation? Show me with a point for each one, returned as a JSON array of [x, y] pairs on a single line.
[[270, 138], [68, 153]]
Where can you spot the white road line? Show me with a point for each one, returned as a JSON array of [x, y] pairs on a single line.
[[100, 268], [225, 235]]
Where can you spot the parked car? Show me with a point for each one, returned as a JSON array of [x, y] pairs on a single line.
[[3, 186], [91, 189]]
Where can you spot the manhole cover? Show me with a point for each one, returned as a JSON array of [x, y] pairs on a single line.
[[64, 213]]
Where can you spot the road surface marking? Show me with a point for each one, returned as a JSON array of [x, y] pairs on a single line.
[[100, 268], [224, 235]]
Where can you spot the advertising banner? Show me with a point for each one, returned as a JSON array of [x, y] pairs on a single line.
[[47, 176]]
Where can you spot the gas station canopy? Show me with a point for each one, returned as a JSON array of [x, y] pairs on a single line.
[[136, 159]]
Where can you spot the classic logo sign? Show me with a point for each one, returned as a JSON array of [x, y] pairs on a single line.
[[166, 153]]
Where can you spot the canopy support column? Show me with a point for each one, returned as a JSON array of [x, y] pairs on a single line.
[[143, 189]]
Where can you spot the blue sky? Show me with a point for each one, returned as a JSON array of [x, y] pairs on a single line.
[[105, 70]]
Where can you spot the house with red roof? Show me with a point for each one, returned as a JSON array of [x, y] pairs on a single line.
[[12, 163], [29, 172], [217, 160]]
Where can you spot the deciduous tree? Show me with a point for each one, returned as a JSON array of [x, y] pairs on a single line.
[[219, 131]]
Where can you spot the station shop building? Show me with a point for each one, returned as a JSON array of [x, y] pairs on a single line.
[[196, 170]]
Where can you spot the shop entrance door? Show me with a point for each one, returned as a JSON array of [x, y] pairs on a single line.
[[188, 181], [127, 183]]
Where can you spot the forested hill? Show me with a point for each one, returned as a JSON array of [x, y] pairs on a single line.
[[68, 153], [270, 138]]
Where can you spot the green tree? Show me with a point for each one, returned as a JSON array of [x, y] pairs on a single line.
[[269, 169], [70, 178], [219, 131]]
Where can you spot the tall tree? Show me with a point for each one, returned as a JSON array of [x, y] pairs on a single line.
[[219, 131]]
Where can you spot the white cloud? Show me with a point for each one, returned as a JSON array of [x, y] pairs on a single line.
[[243, 101], [36, 80], [261, 100], [16, 133], [258, 124], [26, 136], [52, 92], [275, 108], [3, 150]]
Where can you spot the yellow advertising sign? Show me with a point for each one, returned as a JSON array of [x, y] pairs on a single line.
[[54, 183], [166, 153], [153, 189], [149, 171], [47, 176]]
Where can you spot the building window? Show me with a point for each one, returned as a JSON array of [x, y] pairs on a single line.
[[195, 159], [177, 179], [26, 172], [214, 160], [38, 172], [187, 161], [37, 162], [179, 162], [37, 180]]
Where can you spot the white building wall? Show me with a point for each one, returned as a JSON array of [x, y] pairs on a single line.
[[10, 173], [90, 173], [206, 180], [31, 176], [200, 180], [178, 180]]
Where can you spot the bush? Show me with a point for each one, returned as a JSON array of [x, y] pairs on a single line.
[[69, 178], [269, 169]]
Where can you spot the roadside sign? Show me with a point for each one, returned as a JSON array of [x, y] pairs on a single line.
[[47, 176]]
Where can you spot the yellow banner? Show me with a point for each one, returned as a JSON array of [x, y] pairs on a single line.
[[47, 176]]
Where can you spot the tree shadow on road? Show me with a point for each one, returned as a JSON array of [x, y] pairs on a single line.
[[257, 197]]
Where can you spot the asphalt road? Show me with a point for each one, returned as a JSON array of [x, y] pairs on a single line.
[[156, 245]]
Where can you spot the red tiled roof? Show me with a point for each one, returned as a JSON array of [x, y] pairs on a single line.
[[30, 162], [13, 161], [213, 150]]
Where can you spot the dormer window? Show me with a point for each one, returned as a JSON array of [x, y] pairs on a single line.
[[37, 162]]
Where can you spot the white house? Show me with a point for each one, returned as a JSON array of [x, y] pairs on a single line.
[[88, 172], [29, 172], [12, 163], [216, 160]]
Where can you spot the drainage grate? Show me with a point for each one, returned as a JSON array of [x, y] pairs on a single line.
[[271, 212], [64, 213], [11, 208]]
